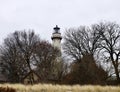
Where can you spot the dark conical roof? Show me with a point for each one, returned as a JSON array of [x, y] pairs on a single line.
[[56, 29]]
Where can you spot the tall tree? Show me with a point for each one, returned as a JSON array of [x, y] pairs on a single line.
[[80, 41], [45, 58], [23, 51], [110, 44], [26, 42], [82, 45]]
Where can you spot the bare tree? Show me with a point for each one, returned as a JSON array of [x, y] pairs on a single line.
[[82, 45], [45, 58], [80, 41], [12, 62], [110, 44], [23, 51], [26, 42]]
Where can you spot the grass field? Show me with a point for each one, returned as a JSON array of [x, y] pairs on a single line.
[[61, 88]]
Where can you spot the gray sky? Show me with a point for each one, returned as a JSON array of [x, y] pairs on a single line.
[[43, 15]]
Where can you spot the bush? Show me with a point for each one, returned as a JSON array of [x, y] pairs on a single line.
[[85, 72], [7, 89]]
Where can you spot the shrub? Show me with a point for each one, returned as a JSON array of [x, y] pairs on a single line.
[[7, 89]]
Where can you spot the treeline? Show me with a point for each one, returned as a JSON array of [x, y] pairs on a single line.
[[94, 52], [24, 51]]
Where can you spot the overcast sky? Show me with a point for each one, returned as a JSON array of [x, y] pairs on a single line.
[[43, 15]]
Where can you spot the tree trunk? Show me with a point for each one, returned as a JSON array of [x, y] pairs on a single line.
[[117, 74]]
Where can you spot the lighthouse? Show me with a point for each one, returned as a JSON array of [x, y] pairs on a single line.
[[56, 37], [56, 42]]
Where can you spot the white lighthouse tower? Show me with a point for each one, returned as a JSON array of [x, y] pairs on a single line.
[[56, 42], [56, 37]]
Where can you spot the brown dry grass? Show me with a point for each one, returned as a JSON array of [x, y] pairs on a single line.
[[61, 88]]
